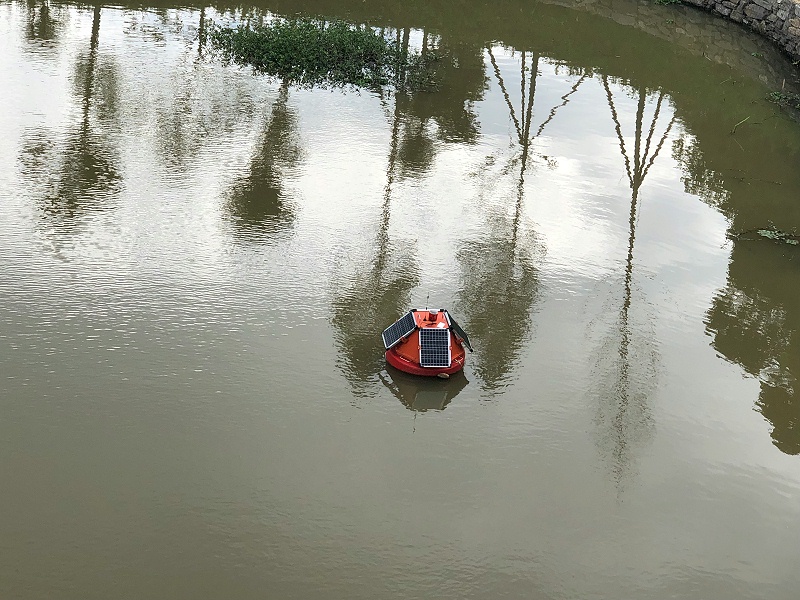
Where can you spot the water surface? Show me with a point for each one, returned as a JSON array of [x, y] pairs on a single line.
[[198, 262]]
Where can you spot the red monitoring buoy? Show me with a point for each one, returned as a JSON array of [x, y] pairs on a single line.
[[426, 342]]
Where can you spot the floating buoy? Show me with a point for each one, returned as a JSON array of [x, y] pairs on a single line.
[[426, 342]]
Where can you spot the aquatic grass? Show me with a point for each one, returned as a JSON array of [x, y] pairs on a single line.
[[312, 52], [786, 99], [768, 233]]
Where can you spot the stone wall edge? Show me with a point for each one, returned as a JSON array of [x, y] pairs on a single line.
[[776, 20]]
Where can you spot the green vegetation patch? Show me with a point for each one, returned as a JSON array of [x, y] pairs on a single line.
[[769, 233], [785, 99], [313, 52]]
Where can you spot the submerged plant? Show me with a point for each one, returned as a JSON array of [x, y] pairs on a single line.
[[778, 236], [769, 233], [785, 99], [312, 52]]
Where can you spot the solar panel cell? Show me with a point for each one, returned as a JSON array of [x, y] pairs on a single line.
[[460, 333], [398, 330], [434, 347]]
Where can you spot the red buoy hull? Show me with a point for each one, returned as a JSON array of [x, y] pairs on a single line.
[[405, 353], [403, 364]]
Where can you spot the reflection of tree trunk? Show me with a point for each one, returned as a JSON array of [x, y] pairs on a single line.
[[89, 84], [525, 141], [404, 46], [383, 228], [87, 167], [500, 270], [524, 128], [404, 41], [43, 26], [380, 295], [257, 203], [624, 384], [499, 276], [83, 161], [507, 98], [201, 30], [641, 166], [629, 392], [641, 163]]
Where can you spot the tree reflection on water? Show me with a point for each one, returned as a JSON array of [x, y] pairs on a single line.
[[755, 318], [755, 323], [375, 296], [627, 358], [257, 204], [460, 78], [499, 272], [76, 171], [44, 21]]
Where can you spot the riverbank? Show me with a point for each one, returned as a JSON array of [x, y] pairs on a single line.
[[777, 20], [703, 33]]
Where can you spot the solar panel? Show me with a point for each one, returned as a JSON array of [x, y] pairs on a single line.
[[398, 330], [459, 332], [434, 347]]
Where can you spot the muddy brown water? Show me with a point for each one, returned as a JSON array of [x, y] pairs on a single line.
[[197, 263]]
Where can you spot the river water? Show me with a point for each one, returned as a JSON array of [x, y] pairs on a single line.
[[197, 264]]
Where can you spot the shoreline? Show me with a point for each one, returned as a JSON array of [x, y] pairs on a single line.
[[776, 20]]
